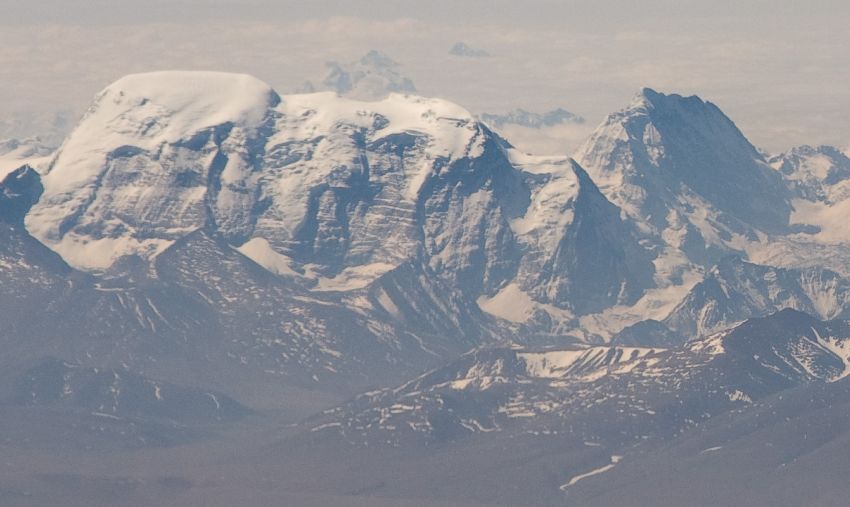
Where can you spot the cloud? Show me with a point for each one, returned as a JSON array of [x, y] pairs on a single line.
[[555, 140]]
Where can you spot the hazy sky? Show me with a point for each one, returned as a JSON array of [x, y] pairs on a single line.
[[780, 70]]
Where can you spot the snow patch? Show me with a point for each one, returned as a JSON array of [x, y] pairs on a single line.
[[387, 304], [260, 251], [596, 471], [99, 254], [354, 277], [738, 395], [510, 303]]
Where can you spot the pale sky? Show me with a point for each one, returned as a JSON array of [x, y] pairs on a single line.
[[779, 69]]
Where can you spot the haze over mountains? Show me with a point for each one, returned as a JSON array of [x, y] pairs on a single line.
[[367, 288]]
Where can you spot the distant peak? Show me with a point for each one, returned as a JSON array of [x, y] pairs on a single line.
[[373, 76], [463, 49], [529, 119], [645, 98], [375, 58]]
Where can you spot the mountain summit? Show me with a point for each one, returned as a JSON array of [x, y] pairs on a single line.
[[669, 159], [372, 77], [156, 156]]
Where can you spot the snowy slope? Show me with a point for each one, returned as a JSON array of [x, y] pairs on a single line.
[[578, 247], [342, 179], [426, 177]]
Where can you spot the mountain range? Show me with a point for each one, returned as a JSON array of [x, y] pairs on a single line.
[[306, 282], [523, 118]]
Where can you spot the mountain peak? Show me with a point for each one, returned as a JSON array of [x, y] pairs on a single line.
[[653, 95], [463, 49], [648, 94], [377, 59], [667, 148], [690, 110], [371, 77], [145, 137], [19, 190]]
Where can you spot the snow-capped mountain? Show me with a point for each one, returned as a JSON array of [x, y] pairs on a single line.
[[195, 150], [406, 207], [683, 173], [579, 254], [524, 118], [816, 181], [679, 167], [203, 303], [131, 178]]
